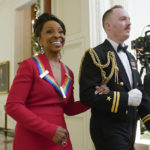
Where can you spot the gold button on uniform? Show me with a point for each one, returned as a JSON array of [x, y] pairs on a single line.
[[121, 83], [126, 112]]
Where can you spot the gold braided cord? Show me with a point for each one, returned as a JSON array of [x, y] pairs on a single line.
[[114, 68], [110, 58], [98, 63]]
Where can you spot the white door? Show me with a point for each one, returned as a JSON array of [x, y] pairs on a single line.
[[75, 15]]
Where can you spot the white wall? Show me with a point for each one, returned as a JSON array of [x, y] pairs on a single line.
[[139, 12]]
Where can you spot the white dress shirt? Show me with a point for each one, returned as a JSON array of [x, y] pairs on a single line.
[[125, 61]]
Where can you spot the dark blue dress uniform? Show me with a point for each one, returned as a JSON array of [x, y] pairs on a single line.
[[113, 122], [144, 108]]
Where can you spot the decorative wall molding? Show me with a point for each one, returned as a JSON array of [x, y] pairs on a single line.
[[19, 5], [97, 9]]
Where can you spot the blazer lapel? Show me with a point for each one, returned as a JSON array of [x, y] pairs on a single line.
[[46, 64], [122, 73], [133, 69], [63, 72], [65, 76]]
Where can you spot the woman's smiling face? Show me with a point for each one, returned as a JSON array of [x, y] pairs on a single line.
[[52, 37]]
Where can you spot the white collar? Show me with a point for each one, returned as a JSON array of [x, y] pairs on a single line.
[[114, 44]]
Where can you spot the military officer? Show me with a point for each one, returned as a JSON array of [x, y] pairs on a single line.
[[113, 115]]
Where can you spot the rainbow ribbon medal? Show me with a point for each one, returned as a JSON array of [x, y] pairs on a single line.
[[62, 90]]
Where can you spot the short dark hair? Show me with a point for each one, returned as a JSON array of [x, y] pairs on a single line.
[[42, 19], [108, 12]]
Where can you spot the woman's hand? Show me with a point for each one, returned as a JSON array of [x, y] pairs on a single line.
[[103, 89], [60, 136]]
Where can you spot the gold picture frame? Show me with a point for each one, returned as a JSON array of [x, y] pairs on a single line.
[[4, 77]]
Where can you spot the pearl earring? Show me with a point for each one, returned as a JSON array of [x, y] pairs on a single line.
[[42, 49]]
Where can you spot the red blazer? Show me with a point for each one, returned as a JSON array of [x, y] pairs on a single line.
[[31, 101]]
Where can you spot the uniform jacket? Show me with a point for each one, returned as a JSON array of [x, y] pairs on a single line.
[[35, 105], [144, 108], [113, 105]]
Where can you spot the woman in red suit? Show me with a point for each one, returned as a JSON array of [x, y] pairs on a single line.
[[42, 92]]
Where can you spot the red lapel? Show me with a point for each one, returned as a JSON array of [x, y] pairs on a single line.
[[47, 66]]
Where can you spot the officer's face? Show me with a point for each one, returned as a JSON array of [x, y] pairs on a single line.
[[119, 24]]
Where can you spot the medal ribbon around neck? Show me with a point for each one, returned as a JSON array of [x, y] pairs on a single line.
[[62, 90]]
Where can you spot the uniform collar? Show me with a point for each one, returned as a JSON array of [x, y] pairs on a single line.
[[114, 44]]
